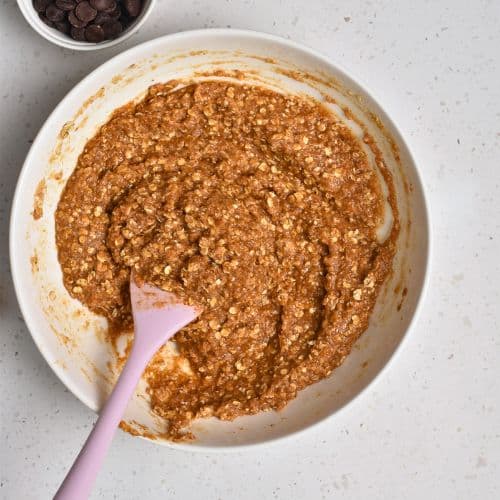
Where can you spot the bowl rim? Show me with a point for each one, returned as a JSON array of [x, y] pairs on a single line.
[[17, 206], [62, 40]]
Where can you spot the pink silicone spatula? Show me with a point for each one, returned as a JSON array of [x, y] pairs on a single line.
[[158, 315]]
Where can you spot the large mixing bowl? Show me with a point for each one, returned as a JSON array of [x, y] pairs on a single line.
[[73, 340]]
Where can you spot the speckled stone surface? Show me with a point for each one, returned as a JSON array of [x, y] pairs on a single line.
[[430, 427]]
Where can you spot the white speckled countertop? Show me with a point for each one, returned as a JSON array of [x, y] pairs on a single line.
[[430, 427]]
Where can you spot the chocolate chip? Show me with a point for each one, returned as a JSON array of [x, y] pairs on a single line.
[[63, 27], [43, 17], [40, 5], [103, 4], [115, 13], [112, 7], [66, 5], [75, 22], [112, 29], [94, 33], [78, 34], [102, 18], [54, 14], [125, 18], [85, 11], [133, 7]]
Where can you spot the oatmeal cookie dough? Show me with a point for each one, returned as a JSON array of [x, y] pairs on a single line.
[[258, 206]]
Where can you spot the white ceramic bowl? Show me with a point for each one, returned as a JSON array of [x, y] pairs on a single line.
[[71, 338], [54, 36]]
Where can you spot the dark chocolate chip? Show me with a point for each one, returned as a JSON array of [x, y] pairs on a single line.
[[66, 5], [102, 18], [112, 29], [133, 7], [78, 34], [40, 5], [102, 4], [43, 17], [115, 13], [63, 27], [54, 14], [94, 33], [85, 11], [75, 22], [112, 7]]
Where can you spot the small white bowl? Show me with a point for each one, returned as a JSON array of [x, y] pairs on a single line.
[[63, 40]]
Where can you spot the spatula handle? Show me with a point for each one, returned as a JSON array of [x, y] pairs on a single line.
[[79, 480]]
